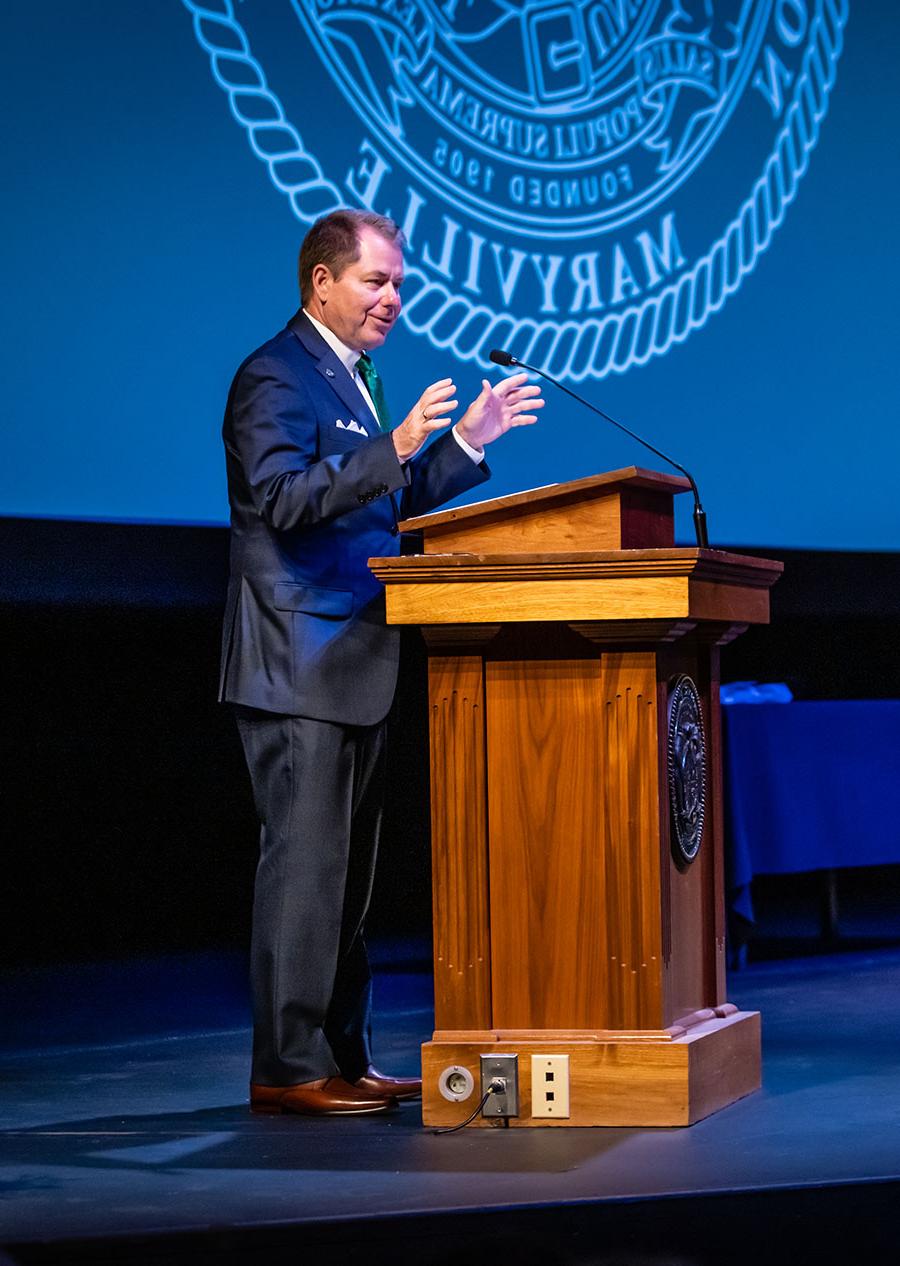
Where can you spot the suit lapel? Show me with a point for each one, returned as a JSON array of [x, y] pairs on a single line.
[[334, 372]]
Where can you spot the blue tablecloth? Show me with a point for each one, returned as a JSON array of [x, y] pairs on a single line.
[[809, 786]]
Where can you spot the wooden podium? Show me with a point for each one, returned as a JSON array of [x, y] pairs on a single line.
[[571, 928]]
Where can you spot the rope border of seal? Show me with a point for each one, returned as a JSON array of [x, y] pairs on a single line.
[[292, 169], [571, 350]]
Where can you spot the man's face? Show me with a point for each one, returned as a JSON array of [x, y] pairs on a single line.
[[362, 304]]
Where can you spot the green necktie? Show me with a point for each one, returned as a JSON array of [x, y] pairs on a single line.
[[365, 367]]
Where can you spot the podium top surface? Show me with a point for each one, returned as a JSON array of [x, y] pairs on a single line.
[[549, 495], [711, 565]]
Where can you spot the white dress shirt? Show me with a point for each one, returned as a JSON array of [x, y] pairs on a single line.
[[349, 357]]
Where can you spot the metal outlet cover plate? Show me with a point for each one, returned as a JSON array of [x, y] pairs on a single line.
[[507, 1067]]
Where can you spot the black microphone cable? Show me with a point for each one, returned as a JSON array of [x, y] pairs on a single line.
[[493, 1089]]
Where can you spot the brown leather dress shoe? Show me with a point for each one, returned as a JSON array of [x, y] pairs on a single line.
[[328, 1097], [376, 1083]]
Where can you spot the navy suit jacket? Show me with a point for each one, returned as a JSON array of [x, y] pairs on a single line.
[[311, 485]]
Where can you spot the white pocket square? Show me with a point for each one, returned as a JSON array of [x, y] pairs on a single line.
[[351, 426]]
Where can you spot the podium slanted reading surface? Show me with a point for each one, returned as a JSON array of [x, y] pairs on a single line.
[[578, 901]]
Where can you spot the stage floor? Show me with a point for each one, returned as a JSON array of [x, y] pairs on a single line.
[[147, 1132]]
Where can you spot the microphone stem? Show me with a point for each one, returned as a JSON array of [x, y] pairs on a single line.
[[699, 513]]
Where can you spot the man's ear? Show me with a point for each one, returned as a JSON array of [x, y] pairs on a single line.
[[322, 279]]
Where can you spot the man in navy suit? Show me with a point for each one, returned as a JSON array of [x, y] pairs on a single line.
[[317, 480]]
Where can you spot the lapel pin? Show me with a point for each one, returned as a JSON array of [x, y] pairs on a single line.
[[329, 373]]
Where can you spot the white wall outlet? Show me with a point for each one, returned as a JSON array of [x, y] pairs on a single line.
[[549, 1086]]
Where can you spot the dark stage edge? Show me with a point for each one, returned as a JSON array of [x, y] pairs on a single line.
[[144, 1151]]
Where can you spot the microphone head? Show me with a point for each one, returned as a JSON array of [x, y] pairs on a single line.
[[502, 358]]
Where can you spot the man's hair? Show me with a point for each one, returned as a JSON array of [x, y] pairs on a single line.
[[334, 241]]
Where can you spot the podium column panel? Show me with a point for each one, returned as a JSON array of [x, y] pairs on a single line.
[[462, 975], [693, 895], [574, 842]]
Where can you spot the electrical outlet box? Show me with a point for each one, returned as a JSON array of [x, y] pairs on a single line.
[[503, 1068], [549, 1086]]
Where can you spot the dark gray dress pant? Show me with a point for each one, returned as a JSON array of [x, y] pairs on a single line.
[[318, 790]]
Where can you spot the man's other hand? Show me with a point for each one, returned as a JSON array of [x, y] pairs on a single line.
[[510, 402], [426, 415]]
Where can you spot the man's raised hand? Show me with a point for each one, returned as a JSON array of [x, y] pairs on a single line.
[[426, 415], [510, 402]]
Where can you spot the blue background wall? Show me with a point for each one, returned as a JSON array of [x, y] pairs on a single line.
[[146, 251]]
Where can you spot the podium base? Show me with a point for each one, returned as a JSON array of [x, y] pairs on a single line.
[[628, 1078]]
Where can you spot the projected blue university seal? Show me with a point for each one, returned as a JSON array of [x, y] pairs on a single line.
[[581, 181]]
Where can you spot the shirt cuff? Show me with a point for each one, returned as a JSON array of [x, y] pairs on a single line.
[[476, 454]]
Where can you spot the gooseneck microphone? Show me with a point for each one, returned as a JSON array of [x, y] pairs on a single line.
[[507, 359]]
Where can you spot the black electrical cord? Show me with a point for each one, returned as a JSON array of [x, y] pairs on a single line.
[[491, 1090]]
